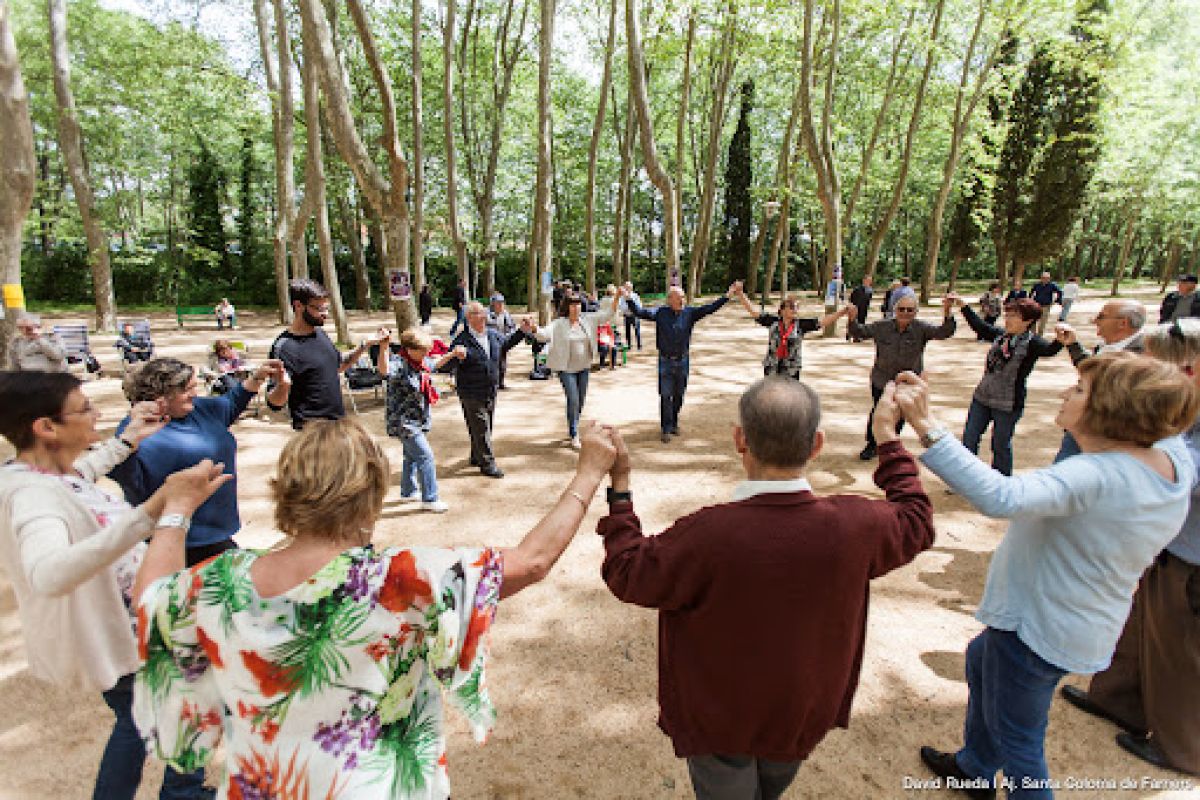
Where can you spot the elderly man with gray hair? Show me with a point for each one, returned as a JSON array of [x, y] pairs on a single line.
[[29, 350], [763, 599], [1119, 326]]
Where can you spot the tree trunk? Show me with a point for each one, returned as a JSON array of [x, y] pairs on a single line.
[[281, 120], [1126, 245], [783, 183], [681, 118], [959, 124], [1171, 262], [456, 237], [70, 138], [594, 149], [348, 217], [910, 137], [418, 154], [621, 267], [716, 122], [955, 263], [542, 251], [654, 168], [387, 195], [18, 171], [781, 229]]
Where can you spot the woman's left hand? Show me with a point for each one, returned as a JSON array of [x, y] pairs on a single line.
[[146, 418], [272, 369]]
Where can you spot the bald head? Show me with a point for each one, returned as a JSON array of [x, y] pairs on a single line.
[[779, 418]]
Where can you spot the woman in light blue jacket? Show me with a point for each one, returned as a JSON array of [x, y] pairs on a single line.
[[1082, 532]]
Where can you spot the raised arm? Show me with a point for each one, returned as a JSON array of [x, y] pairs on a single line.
[[977, 324], [640, 311]]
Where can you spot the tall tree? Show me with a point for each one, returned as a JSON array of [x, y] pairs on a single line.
[[206, 228], [247, 211], [418, 151], [70, 139], [594, 149], [281, 129], [738, 176], [543, 220], [17, 169], [456, 238]]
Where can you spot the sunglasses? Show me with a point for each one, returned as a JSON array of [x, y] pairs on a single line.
[[902, 310]]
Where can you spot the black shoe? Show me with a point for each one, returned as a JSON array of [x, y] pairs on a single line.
[[1079, 698], [945, 765], [493, 472], [1145, 749], [867, 453], [674, 431], [665, 438]]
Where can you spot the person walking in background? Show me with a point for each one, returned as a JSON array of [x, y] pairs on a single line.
[[476, 368], [134, 346], [459, 304], [499, 320], [410, 400], [30, 350], [899, 346], [990, 308], [1045, 293], [786, 333], [788, 570], [1082, 532], [885, 307], [425, 304], [633, 323], [1070, 293], [197, 428], [999, 398], [71, 551], [1015, 293], [1182, 302], [673, 324], [1149, 688], [860, 298]]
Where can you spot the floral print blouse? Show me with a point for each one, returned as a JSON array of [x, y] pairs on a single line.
[[333, 689]]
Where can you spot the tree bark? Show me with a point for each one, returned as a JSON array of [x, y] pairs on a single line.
[[542, 250], [594, 149], [18, 169], [783, 183], [681, 119], [283, 160], [1135, 211], [418, 153], [654, 167], [456, 237], [910, 137], [625, 141], [348, 218], [70, 137]]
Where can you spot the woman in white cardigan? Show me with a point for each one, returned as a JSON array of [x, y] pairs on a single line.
[[71, 550], [573, 349]]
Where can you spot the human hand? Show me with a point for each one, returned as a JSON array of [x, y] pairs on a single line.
[[850, 311], [621, 466], [145, 419], [384, 335], [186, 490], [887, 414], [597, 450], [271, 369], [912, 396], [735, 289], [1065, 334], [459, 352]]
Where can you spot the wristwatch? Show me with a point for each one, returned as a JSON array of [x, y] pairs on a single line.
[[174, 521], [933, 436], [618, 497]]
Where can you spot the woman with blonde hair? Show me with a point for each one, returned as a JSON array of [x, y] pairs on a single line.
[[1149, 690], [1081, 533], [326, 662]]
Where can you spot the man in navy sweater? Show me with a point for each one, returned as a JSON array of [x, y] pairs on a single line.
[[1045, 293], [673, 325]]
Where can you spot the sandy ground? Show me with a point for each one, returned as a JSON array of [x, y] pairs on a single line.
[[573, 671]]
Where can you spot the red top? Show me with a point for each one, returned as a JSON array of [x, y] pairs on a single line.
[[764, 607]]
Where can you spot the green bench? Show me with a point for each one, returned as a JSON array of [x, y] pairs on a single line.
[[194, 312]]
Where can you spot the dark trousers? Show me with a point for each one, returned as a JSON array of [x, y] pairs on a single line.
[[875, 395], [672, 384], [125, 755], [479, 415], [195, 555], [502, 368], [719, 777], [1004, 424], [1151, 683], [633, 324]]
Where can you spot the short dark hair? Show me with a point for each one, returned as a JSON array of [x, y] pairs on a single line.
[[158, 377], [1029, 310], [304, 291], [29, 396], [905, 281], [779, 418]]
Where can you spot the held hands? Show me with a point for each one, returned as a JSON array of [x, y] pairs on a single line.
[[912, 396], [1065, 334], [598, 450], [271, 369], [145, 419], [887, 415], [735, 289]]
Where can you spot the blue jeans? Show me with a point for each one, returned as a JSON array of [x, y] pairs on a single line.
[[672, 384], [634, 325], [125, 754], [418, 466], [1066, 309], [575, 388], [1003, 423], [1008, 705], [460, 319]]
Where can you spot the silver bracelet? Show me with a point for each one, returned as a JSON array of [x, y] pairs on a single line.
[[579, 497]]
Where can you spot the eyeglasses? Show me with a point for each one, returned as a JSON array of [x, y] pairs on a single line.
[[903, 310], [88, 408]]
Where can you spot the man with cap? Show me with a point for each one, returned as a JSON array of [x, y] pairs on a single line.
[[1182, 302], [499, 320]]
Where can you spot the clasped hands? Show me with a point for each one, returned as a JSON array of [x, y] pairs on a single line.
[[905, 398]]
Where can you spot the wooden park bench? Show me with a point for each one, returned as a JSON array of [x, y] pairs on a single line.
[[195, 312]]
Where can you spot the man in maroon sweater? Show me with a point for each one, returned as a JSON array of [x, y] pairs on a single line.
[[763, 600]]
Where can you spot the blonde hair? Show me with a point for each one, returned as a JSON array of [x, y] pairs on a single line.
[[330, 481], [1177, 342], [1136, 399], [416, 339]]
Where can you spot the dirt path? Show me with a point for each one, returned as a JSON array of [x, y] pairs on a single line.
[[573, 671]]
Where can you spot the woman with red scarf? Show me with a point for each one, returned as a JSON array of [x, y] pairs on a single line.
[[410, 396], [787, 331]]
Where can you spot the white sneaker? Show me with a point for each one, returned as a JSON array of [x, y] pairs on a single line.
[[436, 506], [575, 443]]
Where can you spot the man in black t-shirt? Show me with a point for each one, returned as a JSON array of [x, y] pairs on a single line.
[[312, 387]]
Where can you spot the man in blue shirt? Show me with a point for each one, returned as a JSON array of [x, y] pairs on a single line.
[[1045, 293], [673, 325]]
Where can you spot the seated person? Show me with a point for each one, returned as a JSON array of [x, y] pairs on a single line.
[[226, 314], [608, 344], [227, 364], [134, 345]]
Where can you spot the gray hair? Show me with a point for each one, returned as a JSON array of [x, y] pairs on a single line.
[[1132, 311], [157, 378], [779, 418], [1176, 342]]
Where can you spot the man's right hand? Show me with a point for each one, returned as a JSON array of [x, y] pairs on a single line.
[[1065, 334]]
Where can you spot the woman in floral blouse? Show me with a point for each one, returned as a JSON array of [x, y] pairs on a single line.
[[326, 662], [786, 334]]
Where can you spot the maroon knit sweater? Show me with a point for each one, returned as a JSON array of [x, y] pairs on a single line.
[[764, 607]]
